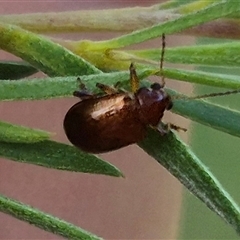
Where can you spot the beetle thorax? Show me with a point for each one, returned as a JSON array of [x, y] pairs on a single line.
[[153, 103]]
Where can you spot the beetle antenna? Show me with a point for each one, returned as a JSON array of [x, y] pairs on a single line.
[[216, 94], [162, 59], [209, 95]]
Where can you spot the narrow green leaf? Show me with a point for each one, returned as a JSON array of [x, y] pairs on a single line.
[[59, 156], [173, 4], [59, 86], [217, 10], [200, 77], [222, 54], [212, 115], [81, 20], [192, 6], [43, 220], [15, 70], [212, 79], [178, 159], [43, 54], [19, 134]]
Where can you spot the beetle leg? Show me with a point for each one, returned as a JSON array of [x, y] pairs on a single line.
[[82, 93], [134, 81], [163, 129], [175, 127], [107, 89]]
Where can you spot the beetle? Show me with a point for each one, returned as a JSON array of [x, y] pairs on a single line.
[[103, 123]]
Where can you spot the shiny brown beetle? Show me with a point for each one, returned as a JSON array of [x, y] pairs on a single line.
[[105, 122], [102, 123]]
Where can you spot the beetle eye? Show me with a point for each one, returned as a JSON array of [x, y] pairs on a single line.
[[156, 86]]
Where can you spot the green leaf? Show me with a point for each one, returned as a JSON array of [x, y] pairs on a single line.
[[222, 54], [217, 10], [43, 54], [81, 20], [59, 156], [193, 6], [178, 159], [15, 70], [59, 86], [19, 134], [173, 4], [43, 220], [211, 79], [212, 115]]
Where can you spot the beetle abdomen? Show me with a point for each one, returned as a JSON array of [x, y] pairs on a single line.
[[104, 124]]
